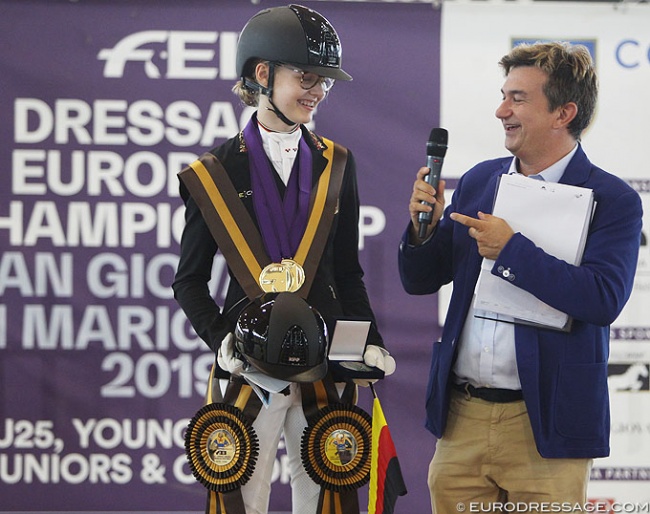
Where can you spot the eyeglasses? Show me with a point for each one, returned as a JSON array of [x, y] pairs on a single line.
[[309, 79]]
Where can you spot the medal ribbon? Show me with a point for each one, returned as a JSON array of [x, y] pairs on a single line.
[[282, 221]]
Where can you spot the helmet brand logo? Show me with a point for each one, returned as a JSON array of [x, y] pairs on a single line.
[[295, 346]]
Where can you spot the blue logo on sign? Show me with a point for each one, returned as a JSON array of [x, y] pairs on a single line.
[[589, 43], [629, 53]]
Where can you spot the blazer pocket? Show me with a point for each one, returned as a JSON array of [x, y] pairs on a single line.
[[582, 402]]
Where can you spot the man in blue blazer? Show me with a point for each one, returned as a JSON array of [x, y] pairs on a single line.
[[520, 411]]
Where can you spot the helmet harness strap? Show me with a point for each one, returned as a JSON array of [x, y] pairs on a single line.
[[268, 91]]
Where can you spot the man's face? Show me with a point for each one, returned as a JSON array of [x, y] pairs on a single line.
[[524, 113]]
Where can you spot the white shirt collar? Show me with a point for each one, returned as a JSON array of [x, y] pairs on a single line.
[[281, 148]]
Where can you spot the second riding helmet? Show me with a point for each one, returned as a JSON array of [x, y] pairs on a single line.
[[284, 337]]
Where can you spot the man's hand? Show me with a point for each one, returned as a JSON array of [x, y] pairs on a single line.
[[491, 233], [425, 192]]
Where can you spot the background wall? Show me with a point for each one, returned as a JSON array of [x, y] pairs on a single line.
[[103, 102]]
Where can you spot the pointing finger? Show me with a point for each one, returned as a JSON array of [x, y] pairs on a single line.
[[465, 220]]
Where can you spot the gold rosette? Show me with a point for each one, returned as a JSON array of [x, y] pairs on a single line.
[[336, 447], [221, 447]]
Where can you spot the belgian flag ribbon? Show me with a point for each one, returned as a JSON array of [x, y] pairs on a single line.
[[386, 481]]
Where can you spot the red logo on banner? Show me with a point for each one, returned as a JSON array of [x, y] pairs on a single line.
[[602, 505]]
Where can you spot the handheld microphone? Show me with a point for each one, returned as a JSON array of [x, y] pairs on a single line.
[[436, 150]]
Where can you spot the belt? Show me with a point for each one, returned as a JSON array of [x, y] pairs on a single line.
[[490, 394]]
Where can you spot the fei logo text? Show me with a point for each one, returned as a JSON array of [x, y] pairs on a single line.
[[173, 54]]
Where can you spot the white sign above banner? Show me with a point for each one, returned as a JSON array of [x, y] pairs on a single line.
[[471, 78]]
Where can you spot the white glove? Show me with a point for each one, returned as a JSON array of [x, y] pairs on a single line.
[[226, 356], [378, 357]]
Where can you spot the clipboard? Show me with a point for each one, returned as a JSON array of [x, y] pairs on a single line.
[[556, 217]]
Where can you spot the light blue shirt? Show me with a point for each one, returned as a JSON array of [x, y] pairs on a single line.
[[486, 350]]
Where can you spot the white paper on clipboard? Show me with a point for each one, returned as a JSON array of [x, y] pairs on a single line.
[[556, 218], [349, 340]]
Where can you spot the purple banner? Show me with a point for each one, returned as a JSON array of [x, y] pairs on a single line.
[[102, 103]]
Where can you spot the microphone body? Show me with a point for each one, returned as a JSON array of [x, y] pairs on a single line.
[[436, 150]]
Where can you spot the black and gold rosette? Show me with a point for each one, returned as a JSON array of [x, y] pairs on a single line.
[[336, 447], [221, 447]]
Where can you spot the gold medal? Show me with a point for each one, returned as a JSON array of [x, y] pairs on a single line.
[[285, 277]]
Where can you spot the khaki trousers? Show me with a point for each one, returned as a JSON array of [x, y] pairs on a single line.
[[487, 462]]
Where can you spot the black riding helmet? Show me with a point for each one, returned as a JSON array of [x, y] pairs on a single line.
[[293, 35], [281, 335]]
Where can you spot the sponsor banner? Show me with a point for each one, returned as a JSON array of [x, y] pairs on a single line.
[[102, 103]]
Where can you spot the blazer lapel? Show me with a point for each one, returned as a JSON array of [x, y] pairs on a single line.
[[578, 170]]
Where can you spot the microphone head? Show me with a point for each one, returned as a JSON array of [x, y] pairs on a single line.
[[437, 144]]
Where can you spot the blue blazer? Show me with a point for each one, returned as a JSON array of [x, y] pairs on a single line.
[[563, 374]]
